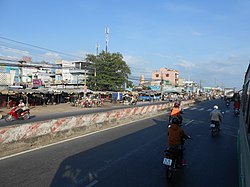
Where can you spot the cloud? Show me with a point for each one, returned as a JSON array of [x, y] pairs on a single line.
[[181, 8], [8, 57], [13, 52], [163, 55], [224, 72], [185, 64], [195, 33], [82, 54], [138, 65], [50, 56]]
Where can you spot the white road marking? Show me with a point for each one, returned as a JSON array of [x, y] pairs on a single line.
[[201, 109], [194, 108], [209, 110], [92, 183], [189, 122]]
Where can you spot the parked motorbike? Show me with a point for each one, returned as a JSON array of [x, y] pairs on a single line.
[[99, 102], [133, 102], [172, 160], [13, 115], [214, 126], [87, 104]]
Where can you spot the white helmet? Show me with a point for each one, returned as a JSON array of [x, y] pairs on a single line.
[[216, 107]]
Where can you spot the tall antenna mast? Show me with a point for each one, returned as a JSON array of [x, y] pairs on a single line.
[[97, 49], [107, 38]]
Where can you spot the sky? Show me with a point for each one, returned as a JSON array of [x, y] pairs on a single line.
[[207, 41]]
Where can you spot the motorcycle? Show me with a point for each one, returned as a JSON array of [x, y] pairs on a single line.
[[133, 102], [214, 126], [13, 115], [227, 104], [99, 102], [236, 112], [173, 160], [87, 104]]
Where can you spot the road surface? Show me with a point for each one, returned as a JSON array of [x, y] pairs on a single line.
[[131, 155]]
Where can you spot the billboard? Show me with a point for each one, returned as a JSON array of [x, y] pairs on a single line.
[[37, 82]]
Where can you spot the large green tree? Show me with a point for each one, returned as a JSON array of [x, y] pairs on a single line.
[[110, 72]]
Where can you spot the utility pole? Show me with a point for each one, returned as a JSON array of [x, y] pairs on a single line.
[[97, 53], [107, 38], [21, 70], [77, 80], [95, 79], [188, 73], [161, 84], [85, 83]]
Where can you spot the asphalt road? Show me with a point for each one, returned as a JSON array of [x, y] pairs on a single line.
[[132, 155], [59, 114]]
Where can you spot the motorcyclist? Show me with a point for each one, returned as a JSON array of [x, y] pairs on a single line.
[[236, 105], [216, 116], [176, 112], [176, 137], [133, 100], [21, 107]]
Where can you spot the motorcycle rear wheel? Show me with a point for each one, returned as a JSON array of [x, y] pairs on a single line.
[[215, 131], [26, 116], [169, 173]]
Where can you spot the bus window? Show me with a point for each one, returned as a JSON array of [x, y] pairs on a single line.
[[246, 103]]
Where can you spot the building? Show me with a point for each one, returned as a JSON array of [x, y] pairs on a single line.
[[8, 75], [144, 82], [80, 72], [58, 72], [165, 76], [63, 75], [181, 82], [42, 72], [191, 87]]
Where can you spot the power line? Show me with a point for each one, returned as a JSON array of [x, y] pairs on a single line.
[[39, 65], [55, 51], [35, 46]]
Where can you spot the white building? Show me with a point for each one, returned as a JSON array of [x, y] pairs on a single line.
[[191, 87], [59, 74], [63, 74], [7, 79]]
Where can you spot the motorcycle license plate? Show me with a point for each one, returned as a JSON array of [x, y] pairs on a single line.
[[212, 125], [167, 161]]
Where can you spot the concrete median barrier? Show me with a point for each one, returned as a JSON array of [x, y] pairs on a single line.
[[31, 135]]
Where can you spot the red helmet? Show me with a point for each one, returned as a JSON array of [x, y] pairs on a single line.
[[176, 104]]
